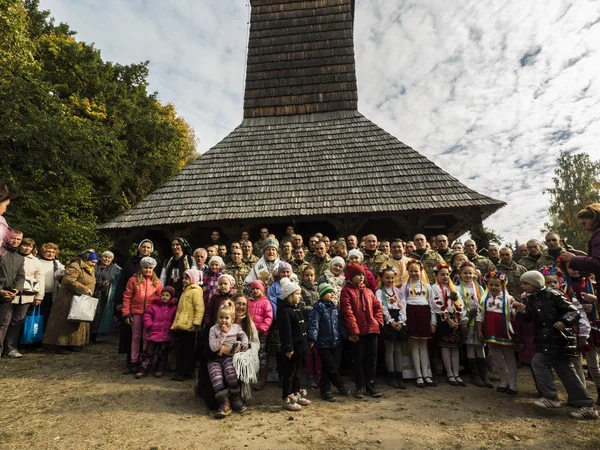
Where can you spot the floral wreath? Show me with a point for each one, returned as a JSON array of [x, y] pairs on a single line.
[[496, 274], [439, 267], [386, 268], [415, 261], [550, 270], [466, 264]]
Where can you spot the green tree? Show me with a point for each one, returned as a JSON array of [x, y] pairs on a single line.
[[484, 236], [81, 139], [576, 185]]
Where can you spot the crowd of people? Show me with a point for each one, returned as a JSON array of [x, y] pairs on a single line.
[[235, 317]]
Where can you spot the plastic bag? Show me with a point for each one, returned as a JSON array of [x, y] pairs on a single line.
[[33, 330], [83, 308]]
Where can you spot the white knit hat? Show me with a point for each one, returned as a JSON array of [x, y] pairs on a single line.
[[337, 260], [288, 287], [147, 261], [355, 252], [217, 259], [534, 278]]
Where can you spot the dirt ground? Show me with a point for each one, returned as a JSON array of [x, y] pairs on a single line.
[[82, 401]]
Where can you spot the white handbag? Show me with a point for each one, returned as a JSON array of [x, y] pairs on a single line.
[[31, 286], [83, 308]]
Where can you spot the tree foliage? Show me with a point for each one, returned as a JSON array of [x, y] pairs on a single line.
[[484, 236], [576, 185], [81, 139]]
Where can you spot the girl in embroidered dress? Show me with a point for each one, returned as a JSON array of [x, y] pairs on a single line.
[[494, 327], [421, 321], [471, 293], [394, 332], [451, 321]]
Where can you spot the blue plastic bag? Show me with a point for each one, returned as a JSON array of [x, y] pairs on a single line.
[[33, 330]]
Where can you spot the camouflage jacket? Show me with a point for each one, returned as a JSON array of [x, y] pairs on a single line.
[[430, 259], [529, 262], [375, 261], [547, 260], [257, 248], [483, 264], [321, 265], [514, 272], [250, 262], [298, 267], [448, 256], [239, 272]]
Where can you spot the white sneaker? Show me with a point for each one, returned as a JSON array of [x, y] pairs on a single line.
[[14, 354], [301, 398], [546, 403], [585, 413], [290, 404]]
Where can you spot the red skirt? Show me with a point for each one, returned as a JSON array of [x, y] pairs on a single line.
[[494, 330], [418, 321]]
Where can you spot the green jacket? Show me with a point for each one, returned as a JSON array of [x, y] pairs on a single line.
[[298, 267], [321, 265], [513, 272], [529, 262], [375, 261], [430, 259], [483, 264], [548, 260], [447, 256], [239, 272]]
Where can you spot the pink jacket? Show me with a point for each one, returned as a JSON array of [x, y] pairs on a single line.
[[261, 313], [136, 299], [158, 320]]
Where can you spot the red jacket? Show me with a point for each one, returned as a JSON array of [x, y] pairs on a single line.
[[361, 310], [138, 298]]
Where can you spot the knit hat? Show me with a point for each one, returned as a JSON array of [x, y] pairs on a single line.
[[354, 269], [230, 278], [534, 278], [259, 284], [193, 274], [143, 242], [356, 252], [217, 259], [148, 261], [170, 290], [337, 260], [270, 242], [284, 266], [89, 255], [288, 287], [324, 288]]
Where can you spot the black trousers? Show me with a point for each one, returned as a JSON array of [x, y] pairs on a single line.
[[365, 359], [185, 346], [330, 367], [290, 383]]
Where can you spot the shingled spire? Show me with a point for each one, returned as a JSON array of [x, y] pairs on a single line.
[[300, 58]]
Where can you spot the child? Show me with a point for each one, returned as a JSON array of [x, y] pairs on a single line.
[[394, 331], [420, 320], [188, 318], [325, 332], [141, 289], [356, 256], [451, 321], [363, 317], [226, 335], [310, 296], [554, 317], [580, 287], [261, 313], [457, 260], [293, 345], [210, 279], [470, 292], [495, 329], [225, 291], [158, 320], [334, 275], [284, 270]]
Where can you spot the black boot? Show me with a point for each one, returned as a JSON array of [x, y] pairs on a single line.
[[393, 380], [483, 372], [236, 400], [400, 380], [372, 389], [224, 408], [475, 378]]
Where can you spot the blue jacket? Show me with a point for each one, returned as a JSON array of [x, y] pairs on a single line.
[[325, 327], [274, 295]]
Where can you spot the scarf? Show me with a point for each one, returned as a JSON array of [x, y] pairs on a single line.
[[476, 287]]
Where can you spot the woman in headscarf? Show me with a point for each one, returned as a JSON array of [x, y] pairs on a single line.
[[105, 279], [175, 266], [79, 279]]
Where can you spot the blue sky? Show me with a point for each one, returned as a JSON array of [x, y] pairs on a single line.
[[489, 91]]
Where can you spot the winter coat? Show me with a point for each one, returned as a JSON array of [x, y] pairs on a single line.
[[590, 263], [137, 298], [274, 295], [325, 325], [545, 307], [214, 304], [79, 278], [261, 313], [210, 283], [12, 272], [361, 310], [336, 281], [33, 270], [292, 332], [190, 309], [158, 320]]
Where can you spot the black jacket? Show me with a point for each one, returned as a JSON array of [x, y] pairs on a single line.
[[12, 273], [292, 330], [544, 308]]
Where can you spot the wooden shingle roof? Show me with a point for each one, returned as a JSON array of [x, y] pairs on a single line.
[[303, 149]]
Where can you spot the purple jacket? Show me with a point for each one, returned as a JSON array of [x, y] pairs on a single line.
[[590, 263], [158, 320]]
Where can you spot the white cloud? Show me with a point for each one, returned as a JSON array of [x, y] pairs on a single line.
[[489, 91]]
